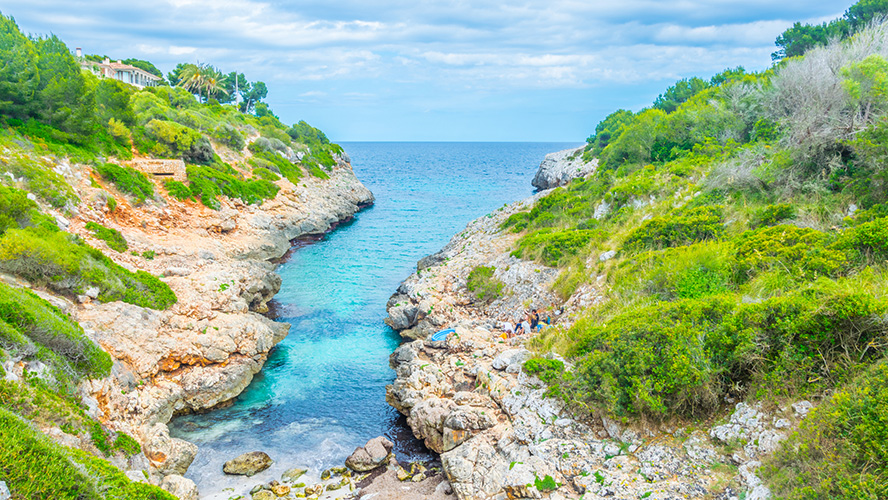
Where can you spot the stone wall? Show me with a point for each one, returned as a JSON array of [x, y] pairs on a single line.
[[161, 169]]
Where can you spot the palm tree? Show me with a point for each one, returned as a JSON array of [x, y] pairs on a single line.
[[213, 82], [203, 80], [191, 78]]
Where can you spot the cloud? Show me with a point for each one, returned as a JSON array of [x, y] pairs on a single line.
[[402, 54]]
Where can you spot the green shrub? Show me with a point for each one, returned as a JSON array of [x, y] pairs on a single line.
[[264, 173], [548, 370], [34, 468], [870, 238], [697, 224], [772, 214], [111, 203], [229, 136], [208, 184], [39, 178], [551, 247], [148, 254], [680, 357], [32, 317], [128, 180], [178, 190], [841, 449], [68, 265], [483, 284], [317, 172], [17, 211], [111, 237], [805, 252], [127, 444]]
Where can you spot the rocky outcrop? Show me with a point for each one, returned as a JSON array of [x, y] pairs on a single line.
[[436, 295], [372, 455], [248, 464], [205, 349], [558, 169]]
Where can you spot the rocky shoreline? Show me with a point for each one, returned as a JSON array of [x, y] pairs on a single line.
[[501, 437], [205, 349]]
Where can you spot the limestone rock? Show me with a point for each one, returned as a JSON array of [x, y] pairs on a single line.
[[558, 169], [181, 487], [374, 454], [248, 464], [4, 491], [292, 475], [264, 495]]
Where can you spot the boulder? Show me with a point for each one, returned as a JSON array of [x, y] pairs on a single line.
[[558, 169], [180, 487], [264, 495], [374, 454], [248, 464]]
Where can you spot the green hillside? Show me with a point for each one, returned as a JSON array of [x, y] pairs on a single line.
[[749, 216]]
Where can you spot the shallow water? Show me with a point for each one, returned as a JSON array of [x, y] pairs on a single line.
[[322, 391]]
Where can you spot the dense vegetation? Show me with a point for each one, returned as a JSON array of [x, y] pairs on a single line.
[[746, 216]]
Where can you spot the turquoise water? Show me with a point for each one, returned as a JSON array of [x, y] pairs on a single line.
[[322, 391]]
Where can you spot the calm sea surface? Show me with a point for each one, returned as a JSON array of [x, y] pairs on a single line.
[[322, 391]]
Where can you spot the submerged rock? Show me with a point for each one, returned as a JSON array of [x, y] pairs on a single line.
[[291, 475], [374, 454], [248, 464]]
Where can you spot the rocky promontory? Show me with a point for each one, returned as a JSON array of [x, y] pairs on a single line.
[[559, 168]]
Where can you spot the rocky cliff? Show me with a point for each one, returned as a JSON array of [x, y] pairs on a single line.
[[559, 168], [205, 349]]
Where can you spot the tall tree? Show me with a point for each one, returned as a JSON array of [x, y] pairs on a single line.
[[64, 101], [251, 95], [19, 76]]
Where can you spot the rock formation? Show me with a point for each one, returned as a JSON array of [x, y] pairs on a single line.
[[558, 169]]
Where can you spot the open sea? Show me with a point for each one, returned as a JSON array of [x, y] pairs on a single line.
[[322, 391]]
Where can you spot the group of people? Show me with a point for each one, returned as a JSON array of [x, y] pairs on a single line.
[[531, 323]]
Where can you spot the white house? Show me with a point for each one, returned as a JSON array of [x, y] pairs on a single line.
[[131, 75]]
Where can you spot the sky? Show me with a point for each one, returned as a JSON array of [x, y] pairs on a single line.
[[438, 70]]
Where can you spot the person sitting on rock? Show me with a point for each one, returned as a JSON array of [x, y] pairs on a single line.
[[534, 317], [508, 330], [525, 327], [519, 328]]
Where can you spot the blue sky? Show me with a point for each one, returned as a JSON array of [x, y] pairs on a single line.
[[531, 70]]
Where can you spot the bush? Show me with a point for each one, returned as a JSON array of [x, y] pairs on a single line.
[[208, 184], [264, 173], [17, 211], [68, 265], [178, 190], [33, 318], [772, 214], [805, 252], [111, 237], [39, 178], [841, 449], [128, 180], [551, 247], [697, 224], [229, 136], [483, 284]]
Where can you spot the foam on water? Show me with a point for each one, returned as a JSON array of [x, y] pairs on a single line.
[[322, 391]]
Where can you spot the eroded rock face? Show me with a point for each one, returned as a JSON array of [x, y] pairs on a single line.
[[372, 455], [558, 169], [248, 464]]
